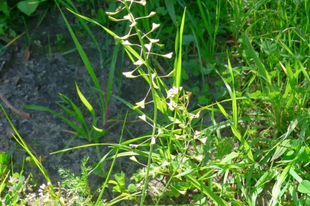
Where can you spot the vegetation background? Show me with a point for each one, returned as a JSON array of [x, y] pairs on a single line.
[[226, 103]]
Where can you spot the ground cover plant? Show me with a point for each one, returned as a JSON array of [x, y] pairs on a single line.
[[227, 104]]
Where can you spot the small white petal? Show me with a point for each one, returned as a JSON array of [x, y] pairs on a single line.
[[155, 26], [203, 140], [165, 163], [133, 158], [152, 13], [172, 105], [154, 40], [154, 84], [183, 126], [197, 134], [169, 55], [125, 37], [199, 158], [126, 42], [173, 92], [142, 2], [133, 146], [177, 136], [138, 63], [133, 24], [127, 17], [141, 104], [129, 74], [153, 141], [111, 13], [143, 117], [148, 46]]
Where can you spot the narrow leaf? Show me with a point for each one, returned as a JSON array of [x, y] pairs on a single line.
[[85, 101]]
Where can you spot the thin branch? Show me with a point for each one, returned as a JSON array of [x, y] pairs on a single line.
[[14, 109]]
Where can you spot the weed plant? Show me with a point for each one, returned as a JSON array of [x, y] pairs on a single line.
[[257, 155]]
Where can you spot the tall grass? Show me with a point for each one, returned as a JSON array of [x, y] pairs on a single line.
[[34, 159], [265, 135], [258, 152]]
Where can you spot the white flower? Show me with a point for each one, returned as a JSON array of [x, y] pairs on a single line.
[[197, 134], [172, 105], [194, 116], [155, 26], [148, 46], [138, 63], [173, 92], [141, 104], [165, 163], [142, 117], [169, 55]]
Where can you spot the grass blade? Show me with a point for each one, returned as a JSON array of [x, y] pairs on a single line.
[[178, 60], [111, 74], [206, 190], [261, 68], [171, 11], [38, 164], [85, 101], [85, 60]]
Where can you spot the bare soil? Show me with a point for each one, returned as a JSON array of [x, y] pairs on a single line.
[[54, 66]]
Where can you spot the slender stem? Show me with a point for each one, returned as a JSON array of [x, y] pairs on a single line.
[[150, 72]]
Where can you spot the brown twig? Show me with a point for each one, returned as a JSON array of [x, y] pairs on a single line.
[[14, 109], [8, 41]]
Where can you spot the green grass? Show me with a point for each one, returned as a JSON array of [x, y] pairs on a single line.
[[247, 147]]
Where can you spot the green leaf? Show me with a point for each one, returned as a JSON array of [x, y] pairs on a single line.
[[161, 11], [245, 145], [281, 149], [81, 51], [260, 66], [132, 188], [75, 126], [28, 6], [269, 48], [120, 179], [84, 100], [187, 39], [203, 100], [101, 16], [112, 182], [171, 10], [222, 109], [304, 187], [307, 201], [186, 172], [178, 60], [276, 190], [184, 74], [295, 175], [98, 129], [4, 8], [161, 103], [80, 116], [172, 192], [205, 190]]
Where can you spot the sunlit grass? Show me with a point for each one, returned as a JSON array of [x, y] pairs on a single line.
[[257, 152]]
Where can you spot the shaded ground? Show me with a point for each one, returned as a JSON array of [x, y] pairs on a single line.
[[38, 80]]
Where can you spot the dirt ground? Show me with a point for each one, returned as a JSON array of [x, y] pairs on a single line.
[[53, 67]]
